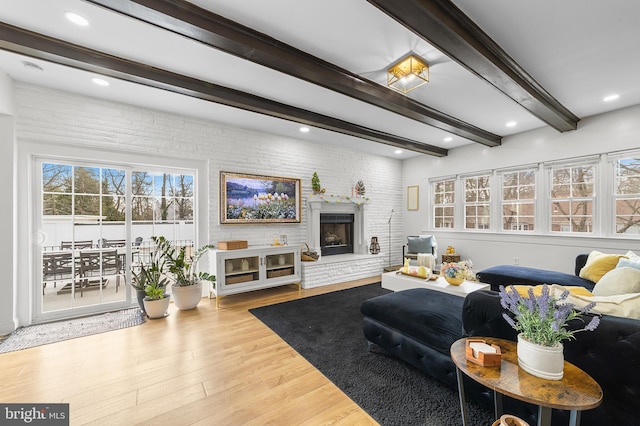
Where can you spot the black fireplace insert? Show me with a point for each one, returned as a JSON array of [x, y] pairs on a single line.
[[336, 233]]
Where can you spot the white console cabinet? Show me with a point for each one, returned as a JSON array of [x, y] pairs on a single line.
[[253, 268]]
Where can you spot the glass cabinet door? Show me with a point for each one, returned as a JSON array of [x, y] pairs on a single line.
[[280, 265], [241, 270]]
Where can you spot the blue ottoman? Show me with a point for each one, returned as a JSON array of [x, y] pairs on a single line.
[[418, 326]]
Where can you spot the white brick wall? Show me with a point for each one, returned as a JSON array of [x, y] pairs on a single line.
[[326, 271], [58, 117]]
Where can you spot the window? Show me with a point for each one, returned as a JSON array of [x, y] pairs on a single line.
[[444, 195], [572, 198], [477, 206], [627, 196], [518, 200]]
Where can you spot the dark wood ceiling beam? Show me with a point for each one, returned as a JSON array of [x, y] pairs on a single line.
[[220, 33], [442, 24], [25, 42]]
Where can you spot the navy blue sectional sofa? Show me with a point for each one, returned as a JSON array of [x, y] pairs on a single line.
[[513, 275], [419, 326]]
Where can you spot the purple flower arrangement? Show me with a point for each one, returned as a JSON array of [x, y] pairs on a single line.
[[543, 319]]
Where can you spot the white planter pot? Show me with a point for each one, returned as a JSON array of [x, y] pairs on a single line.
[[157, 308], [187, 297], [546, 362]]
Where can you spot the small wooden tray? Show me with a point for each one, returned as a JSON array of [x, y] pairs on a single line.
[[482, 358]]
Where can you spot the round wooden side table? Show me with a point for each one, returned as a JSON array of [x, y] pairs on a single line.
[[576, 392]]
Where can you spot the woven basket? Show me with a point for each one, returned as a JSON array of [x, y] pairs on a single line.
[[308, 255]]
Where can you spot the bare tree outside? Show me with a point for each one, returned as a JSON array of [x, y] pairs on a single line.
[[518, 200], [572, 192], [628, 196]]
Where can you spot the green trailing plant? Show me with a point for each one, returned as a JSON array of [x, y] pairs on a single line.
[[182, 269]]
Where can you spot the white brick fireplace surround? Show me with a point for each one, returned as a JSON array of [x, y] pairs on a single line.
[[342, 267]]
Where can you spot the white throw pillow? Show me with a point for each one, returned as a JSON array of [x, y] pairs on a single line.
[[618, 281]]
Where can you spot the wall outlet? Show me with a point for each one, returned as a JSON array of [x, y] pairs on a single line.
[[516, 260]]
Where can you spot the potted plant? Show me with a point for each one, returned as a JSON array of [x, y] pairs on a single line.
[[183, 271], [542, 322], [149, 281], [156, 301]]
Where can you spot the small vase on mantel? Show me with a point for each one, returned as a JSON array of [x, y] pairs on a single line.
[[546, 362]]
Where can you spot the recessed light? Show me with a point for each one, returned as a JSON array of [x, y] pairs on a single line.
[[77, 19], [448, 139], [398, 151], [100, 81], [304, 129], [611, 98], [511, 124]]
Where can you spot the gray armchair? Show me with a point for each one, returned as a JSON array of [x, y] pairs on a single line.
[[420, 244]]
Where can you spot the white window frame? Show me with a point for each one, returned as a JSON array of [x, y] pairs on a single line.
[[518, 201], [434, 206], [612, 169], [572, 198], [491, 184]]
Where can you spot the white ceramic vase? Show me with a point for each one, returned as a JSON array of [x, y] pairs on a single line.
[[186, 297], [546, 362]]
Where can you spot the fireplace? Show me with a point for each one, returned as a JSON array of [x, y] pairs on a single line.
[[336, 233], [355, 234]]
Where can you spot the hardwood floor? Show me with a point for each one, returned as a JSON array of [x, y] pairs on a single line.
[[207, 366]]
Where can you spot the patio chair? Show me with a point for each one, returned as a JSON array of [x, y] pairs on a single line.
[[77, 245], [55, 267], [112, 243], [95, 266]]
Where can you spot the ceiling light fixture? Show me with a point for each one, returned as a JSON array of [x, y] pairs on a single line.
[[511, 124], [398, 151], [77, 19], [100, 82], [304, 129], [448, 139], [611, 98], [408, 73]]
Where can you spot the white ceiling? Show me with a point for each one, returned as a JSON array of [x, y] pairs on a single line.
[[579, 50]]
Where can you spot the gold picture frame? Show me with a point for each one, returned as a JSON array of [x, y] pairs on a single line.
[[246, 198], [413, 194]]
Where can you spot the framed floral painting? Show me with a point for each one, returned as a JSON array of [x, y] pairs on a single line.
[[246, 198]]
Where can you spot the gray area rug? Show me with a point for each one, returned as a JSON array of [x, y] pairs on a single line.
[[327, 331], [43, 334]]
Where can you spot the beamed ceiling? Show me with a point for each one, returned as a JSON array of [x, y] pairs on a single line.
[[273, 66]]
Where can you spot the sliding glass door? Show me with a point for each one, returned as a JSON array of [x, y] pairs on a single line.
[[92, 232]]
